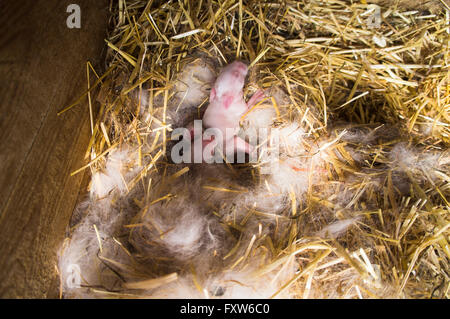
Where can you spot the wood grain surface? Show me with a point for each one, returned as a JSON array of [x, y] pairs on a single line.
[[42, 69]]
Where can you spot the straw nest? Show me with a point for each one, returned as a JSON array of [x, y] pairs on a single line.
[[358, 205]]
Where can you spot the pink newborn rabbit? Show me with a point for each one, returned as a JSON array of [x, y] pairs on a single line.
[[226, 107]]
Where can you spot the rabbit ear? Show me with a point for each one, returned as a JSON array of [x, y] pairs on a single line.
[[257, 97], [212, 96], [227, 100]]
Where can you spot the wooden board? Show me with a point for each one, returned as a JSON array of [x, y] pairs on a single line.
[[42, 69]]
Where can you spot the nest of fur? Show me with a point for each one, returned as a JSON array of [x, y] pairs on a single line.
[[356, 206]]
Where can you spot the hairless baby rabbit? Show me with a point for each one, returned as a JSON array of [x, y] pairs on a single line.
[[225, 109]]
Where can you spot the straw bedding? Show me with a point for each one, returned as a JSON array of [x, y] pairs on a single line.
[[356, 205]]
